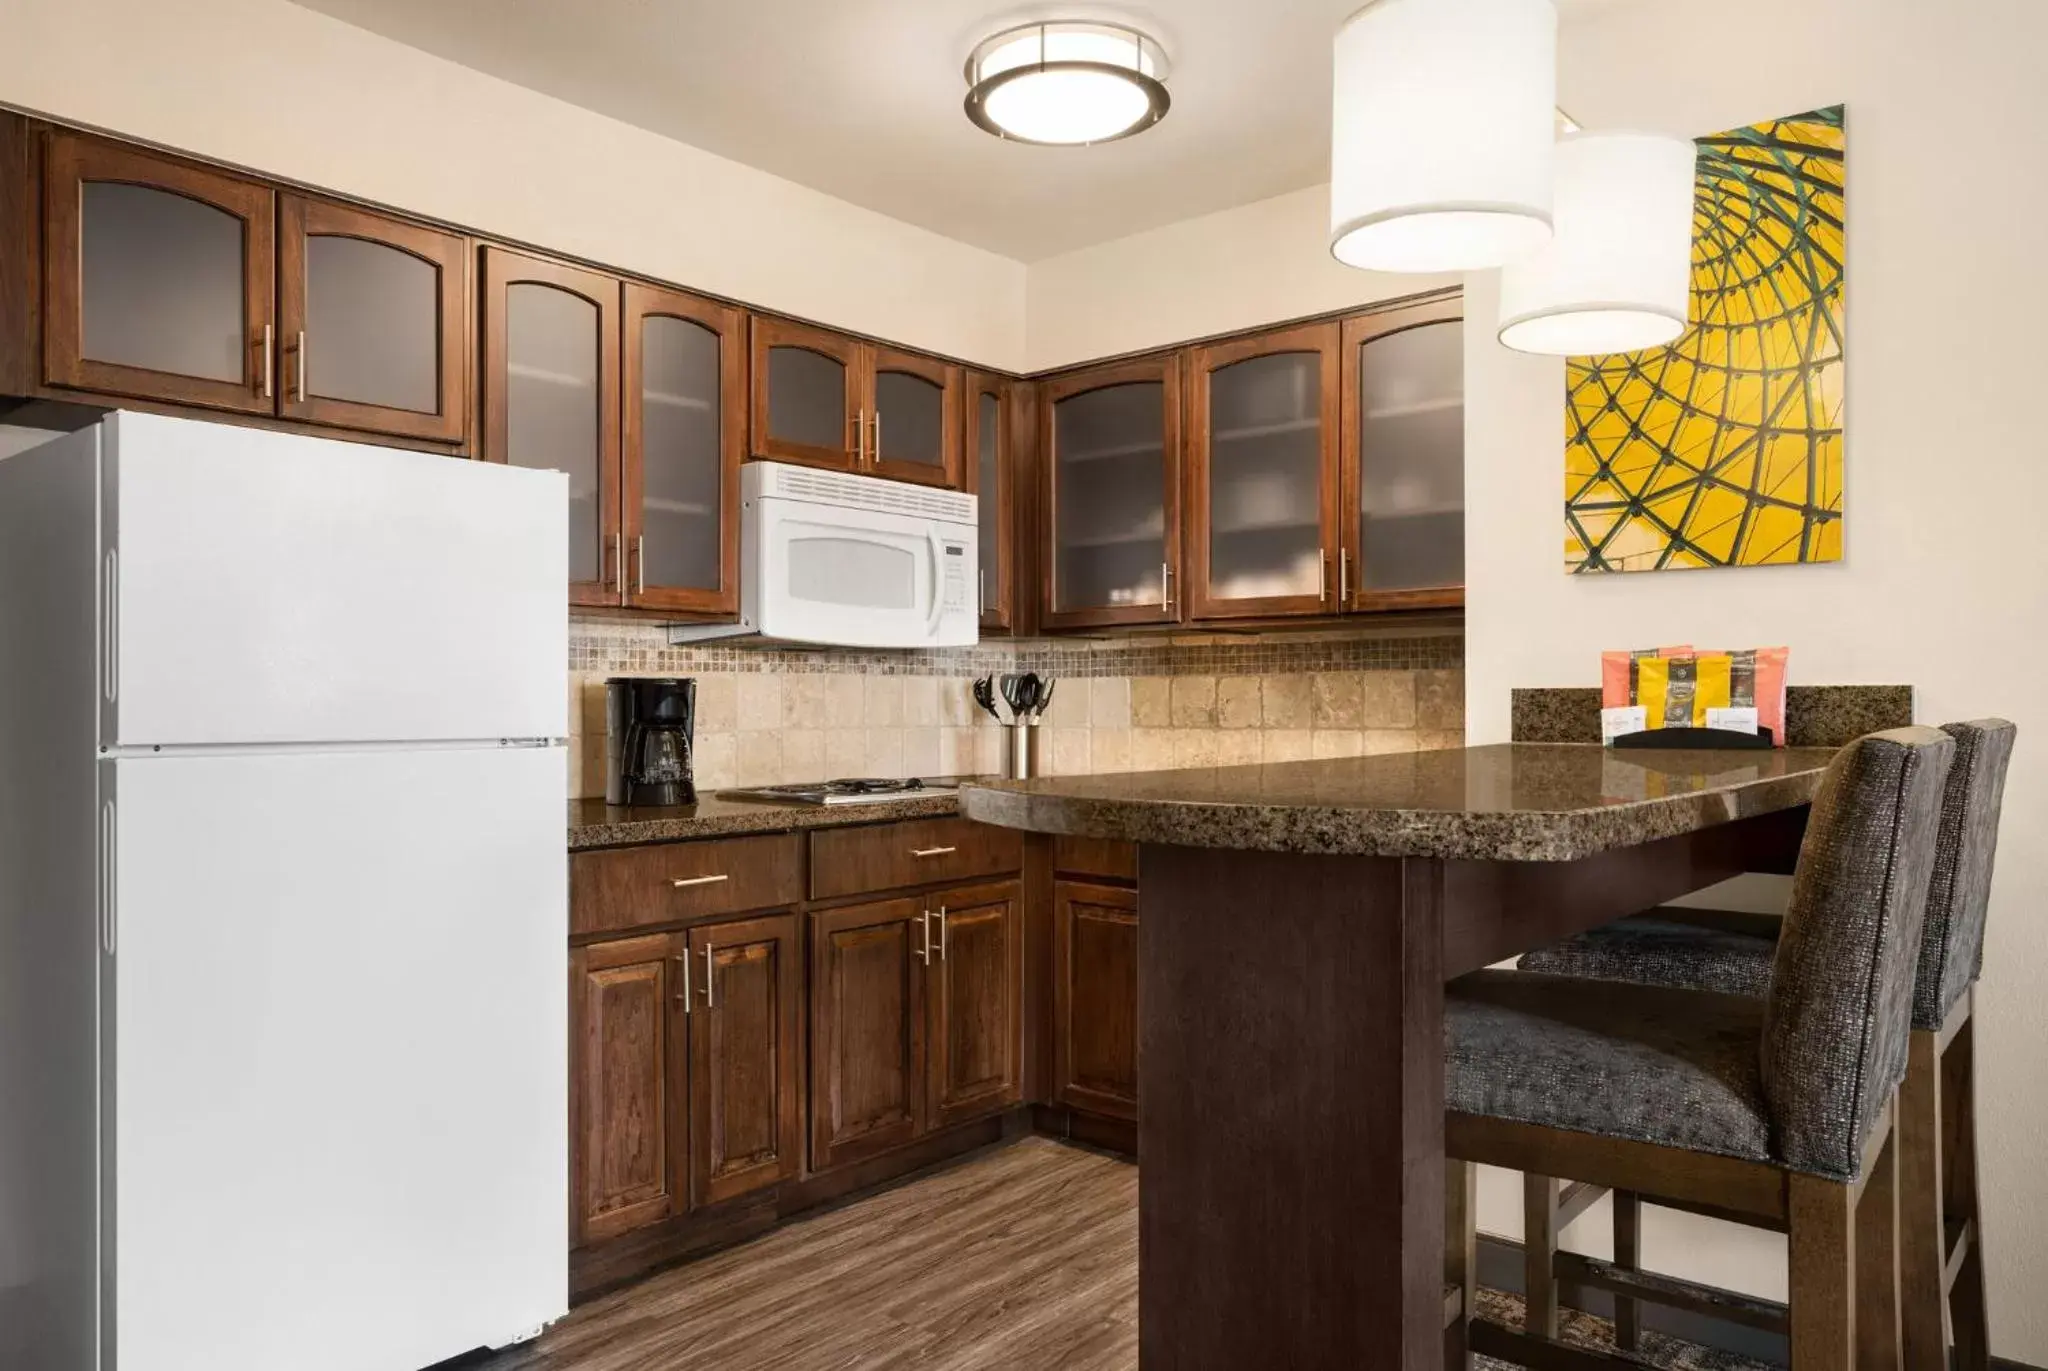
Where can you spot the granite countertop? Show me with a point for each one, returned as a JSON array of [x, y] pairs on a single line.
[[593, 823], [1505, 802]]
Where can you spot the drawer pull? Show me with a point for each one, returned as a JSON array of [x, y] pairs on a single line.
[[932, 851], [683, 965], [685, 882]]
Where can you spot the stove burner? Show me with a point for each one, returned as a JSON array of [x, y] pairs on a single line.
[[870, 786]]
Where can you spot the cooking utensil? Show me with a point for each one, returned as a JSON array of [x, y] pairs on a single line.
[[1012, 687], [1045, 696], [985, 696]]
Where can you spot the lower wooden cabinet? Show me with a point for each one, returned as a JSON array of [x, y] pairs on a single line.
[[1095, 999], [746, 1055], [685, 1079], [916, 1017]]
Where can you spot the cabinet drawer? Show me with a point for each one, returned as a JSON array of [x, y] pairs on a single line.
[[858, 861], [671, 882], [1095, 857]]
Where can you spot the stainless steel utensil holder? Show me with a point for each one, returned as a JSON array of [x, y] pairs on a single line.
[[1020, 751]]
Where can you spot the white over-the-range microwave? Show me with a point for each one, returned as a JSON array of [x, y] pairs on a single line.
[[851, 561]]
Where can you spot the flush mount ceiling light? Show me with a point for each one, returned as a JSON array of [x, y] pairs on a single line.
[[1441, 134], [1067, 82], [1616, 275]]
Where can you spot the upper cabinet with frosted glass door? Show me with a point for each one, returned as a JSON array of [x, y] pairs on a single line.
[[1109, 438], [992, 474], [1263, 509], [169, 281], [551, 400], [1404, 458], [370, 322], [826, 400], [157, 278], [683, 438]]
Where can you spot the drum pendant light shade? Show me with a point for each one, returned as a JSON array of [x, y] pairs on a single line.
[[1617, 274], [1443, 124]]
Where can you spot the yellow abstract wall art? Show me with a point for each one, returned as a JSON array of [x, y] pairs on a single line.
[[1725, 447]]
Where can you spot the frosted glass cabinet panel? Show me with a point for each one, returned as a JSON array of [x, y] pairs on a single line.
[[1112, 446], [1262, 530], [914, 434], [807, 405], [1405, 401], [370, 312], [683, 441], [551, 399], [160, 278], [993, 480]]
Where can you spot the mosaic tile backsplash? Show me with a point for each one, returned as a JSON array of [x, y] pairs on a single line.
[[772, 715]]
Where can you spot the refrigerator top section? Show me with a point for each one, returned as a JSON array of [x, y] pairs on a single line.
[[270, 588]]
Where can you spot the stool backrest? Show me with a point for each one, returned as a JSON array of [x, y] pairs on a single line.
[[1958, 897], [1840, 1002]]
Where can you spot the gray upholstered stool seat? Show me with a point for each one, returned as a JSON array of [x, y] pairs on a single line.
[[1673, 1067], [1653, 951]]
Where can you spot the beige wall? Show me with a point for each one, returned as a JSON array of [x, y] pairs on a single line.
[[1943, 584], [284, 90]]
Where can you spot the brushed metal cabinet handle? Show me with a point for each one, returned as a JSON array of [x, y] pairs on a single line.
[[876, 451], [710, 990], [640, 564], [942, 933], [860, 437], [932, 851], [1343, 578], [685, 882], [267, 351], [683, 963], [1322, 575], [924, 923], [302, 366]]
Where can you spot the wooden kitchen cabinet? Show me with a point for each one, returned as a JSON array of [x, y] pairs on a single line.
[[686, 1052], [746, 1055], [975, 1002], [1109, 440], [867, 1021], [916, 1017], [372, 330], [551, 399], [1403, 496], [826, 400], [158, 278], [1095, 999], [683, 437], [629, 1119], [1263, 506], [991, 469]]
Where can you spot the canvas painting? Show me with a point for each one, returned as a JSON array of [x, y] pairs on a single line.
[[1725, 447]]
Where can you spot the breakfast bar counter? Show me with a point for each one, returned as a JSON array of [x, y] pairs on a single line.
[[1297, 923]]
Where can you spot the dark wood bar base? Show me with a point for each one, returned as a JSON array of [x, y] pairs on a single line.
[[1290, 1110]]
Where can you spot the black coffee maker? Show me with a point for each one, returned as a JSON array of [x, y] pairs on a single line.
[[648, 722]]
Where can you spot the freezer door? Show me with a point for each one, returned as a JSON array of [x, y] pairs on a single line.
[[265, 587], [340, 1057]]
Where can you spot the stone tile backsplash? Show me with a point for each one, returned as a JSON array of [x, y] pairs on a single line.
[[788, 716]]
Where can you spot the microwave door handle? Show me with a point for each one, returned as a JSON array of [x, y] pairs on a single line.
[[931, 628]]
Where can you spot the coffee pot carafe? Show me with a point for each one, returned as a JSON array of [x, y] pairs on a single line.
[[649, 723]]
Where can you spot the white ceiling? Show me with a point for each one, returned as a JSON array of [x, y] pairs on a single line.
[[862, 99]]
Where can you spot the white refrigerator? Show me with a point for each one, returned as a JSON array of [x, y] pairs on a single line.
[[283, 902]]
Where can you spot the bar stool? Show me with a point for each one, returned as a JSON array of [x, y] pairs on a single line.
[[1777, 1110], [1941, 1240]]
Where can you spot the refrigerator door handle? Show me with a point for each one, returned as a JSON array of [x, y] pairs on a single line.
[[107, 870], [112, 619]]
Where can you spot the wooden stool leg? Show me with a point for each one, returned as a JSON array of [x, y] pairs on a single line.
[[1628, 1256], [1539, 1255], [1461, 1257], [1960, 1208], [1822, 1231], [1877, 1263], [1921, 1241]]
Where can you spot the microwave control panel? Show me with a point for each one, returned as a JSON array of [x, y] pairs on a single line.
[[954, 594]]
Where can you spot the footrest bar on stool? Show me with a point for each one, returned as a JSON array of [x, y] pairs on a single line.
[[1709, 1300]]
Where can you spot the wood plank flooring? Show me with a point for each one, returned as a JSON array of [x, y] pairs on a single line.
[[1023, 1258], [1026, 1256]]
